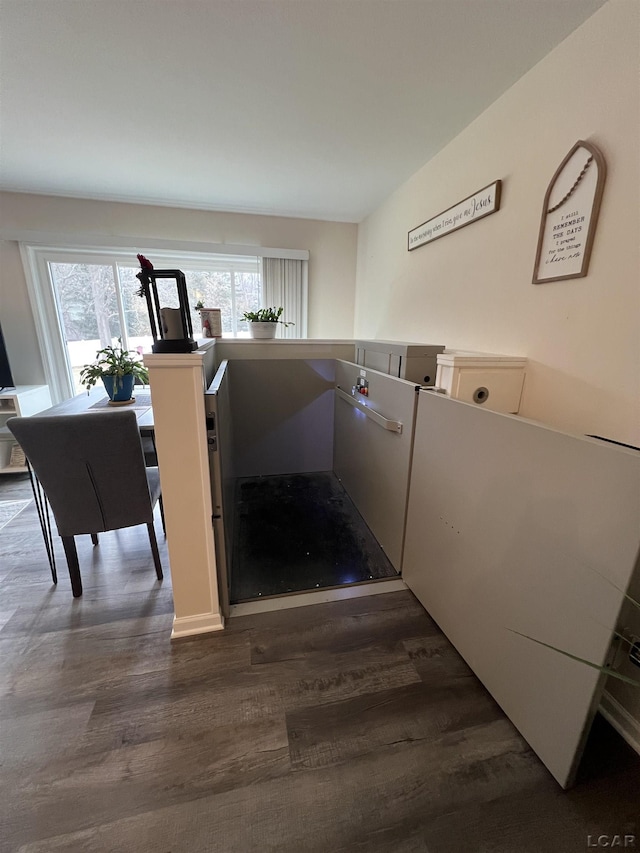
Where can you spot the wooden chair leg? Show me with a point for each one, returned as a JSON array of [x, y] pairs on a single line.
[[154, 550], [94, 538], [71, 554]]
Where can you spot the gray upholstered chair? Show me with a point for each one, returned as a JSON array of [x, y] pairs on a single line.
[[92, 469]]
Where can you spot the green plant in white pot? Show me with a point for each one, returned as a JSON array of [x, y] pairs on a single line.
[[118, 368], [264, 322]]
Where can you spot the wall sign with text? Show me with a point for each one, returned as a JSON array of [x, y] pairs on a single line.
[[477, 206], [569, 215]]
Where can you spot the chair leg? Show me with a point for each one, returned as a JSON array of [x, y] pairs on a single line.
[[154, 550], [71, 554], [94, 538], [42, 505], [164, 529]]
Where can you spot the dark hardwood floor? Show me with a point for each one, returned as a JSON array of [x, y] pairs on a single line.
[[349, 726]]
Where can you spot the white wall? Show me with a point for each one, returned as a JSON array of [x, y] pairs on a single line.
[[472, 289], [332, 247]]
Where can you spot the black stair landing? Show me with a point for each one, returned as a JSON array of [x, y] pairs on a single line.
[[299, 532]]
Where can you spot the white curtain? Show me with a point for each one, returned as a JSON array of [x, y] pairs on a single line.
[[285, 282]]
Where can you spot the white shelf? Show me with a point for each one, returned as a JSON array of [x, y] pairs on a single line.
[[23, 400]]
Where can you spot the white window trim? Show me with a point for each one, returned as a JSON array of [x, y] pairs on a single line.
[[47, 323], [37, 250], [117, 243]]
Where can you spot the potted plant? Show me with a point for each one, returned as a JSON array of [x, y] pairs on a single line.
[[263, 323], [118, 368]]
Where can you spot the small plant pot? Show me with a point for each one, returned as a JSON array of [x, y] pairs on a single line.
[[262, 330], [119, 388]]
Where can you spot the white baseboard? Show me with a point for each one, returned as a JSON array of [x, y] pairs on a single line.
[[203, 623], [621, 720]]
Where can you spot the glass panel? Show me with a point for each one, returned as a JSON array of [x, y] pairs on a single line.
[[248, 298], [136, 316], [88, 311], [214, 288], [88, 306]]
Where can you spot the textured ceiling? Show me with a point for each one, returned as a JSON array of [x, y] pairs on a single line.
[[309, 108]]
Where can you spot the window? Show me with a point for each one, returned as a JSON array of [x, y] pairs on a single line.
[[96, 299], [84, 299]]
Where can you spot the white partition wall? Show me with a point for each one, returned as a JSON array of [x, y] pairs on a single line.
[[177, 394], [237, 348], [514, 526], [372, 460]]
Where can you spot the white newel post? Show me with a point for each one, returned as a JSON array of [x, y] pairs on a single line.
[[178, 408]]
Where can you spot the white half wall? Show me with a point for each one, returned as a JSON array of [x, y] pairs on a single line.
[[472, 288], [332, 260], [177, 396]]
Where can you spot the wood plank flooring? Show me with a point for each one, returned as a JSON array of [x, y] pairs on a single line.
[[348, 726]]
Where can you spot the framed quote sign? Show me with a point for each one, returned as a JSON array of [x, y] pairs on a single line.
[[569, 215], [476, 206]]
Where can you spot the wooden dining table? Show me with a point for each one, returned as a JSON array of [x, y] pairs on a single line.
[[97, 400]]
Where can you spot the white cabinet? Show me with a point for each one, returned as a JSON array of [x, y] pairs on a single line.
[[23, 400], [492, 381]]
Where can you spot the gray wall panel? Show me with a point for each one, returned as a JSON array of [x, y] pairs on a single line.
[[373, 463], [514, 525], [282, 415]]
